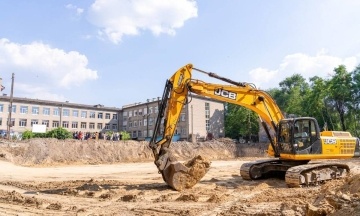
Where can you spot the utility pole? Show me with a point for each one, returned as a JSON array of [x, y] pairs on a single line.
[[10, 107], [147, 117]]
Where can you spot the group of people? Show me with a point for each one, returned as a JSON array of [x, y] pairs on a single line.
[[96, 135]]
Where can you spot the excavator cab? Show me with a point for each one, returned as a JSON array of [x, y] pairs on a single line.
[[298, 136]]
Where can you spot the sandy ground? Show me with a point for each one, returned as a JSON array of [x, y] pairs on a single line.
[[135, 188]]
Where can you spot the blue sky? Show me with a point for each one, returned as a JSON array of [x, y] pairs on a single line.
[[118, 52]]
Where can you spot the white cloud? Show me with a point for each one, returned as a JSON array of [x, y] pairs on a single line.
[[321, 65], [37, 92], [117, 18], [78, 10], [45, 66]]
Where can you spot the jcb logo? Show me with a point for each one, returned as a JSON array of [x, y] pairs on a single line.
[[225, 93]]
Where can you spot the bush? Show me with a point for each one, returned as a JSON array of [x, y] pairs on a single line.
[[58, 133], [125, 135], [27, 134]]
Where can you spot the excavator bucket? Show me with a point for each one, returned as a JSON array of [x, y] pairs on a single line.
[[181, 176]]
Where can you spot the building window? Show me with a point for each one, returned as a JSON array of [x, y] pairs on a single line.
[[135, 123], [56, 111], [207, 110], [182, 117], [74, 124], [35, 110], [114, 126], [124, 123], [145, 111], [107, 115], [130, 113], [183, 131], [107, 126], [91, 125], [145, 133], [13, 108], [46, 111], [135, 112], [156, 109], [125, 113], [65, 124], [34, 121], [151, 121], [83, 125], [55, 124], [140, 123], [150, 110], [75, 113], [12, 122], [83, 114], [23, 109], [45, 122], [92, 115], [139, 134], [207, 124], [0, 121], [66, 112], [100, 115], [150, 133], [22, 122], [115, 116], [134, 134], [1, 107], [145, 122], [130, 124], [99, 126]]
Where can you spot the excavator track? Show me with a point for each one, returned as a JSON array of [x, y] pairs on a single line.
[[315, 174], [250, 170], [266, 168]]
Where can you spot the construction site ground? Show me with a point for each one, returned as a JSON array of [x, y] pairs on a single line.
[[53, 177]]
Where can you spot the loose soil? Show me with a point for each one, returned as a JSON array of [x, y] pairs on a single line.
[[52, 177]]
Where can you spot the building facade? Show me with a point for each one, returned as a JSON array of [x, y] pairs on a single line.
[[200, 118], [74, 117]]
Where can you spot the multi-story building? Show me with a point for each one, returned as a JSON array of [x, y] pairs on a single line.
[[200, 118], [74, 117]]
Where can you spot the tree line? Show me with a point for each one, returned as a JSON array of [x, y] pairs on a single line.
[[333, 101]]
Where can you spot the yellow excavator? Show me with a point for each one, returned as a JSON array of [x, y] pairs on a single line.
[[293, 141]]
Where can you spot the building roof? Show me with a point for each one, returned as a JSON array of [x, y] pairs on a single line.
[[59, 104]]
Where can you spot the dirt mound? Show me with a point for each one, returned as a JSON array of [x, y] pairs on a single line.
[[16, 198], [341, 197], [188, 197], [47, 152]]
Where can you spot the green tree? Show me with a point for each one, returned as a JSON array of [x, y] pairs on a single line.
[[240, 121], [340, 93]]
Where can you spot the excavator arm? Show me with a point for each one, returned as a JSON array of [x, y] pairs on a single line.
[[177, 90]]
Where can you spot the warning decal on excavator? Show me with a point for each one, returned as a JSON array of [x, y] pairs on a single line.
[[329, 141]]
